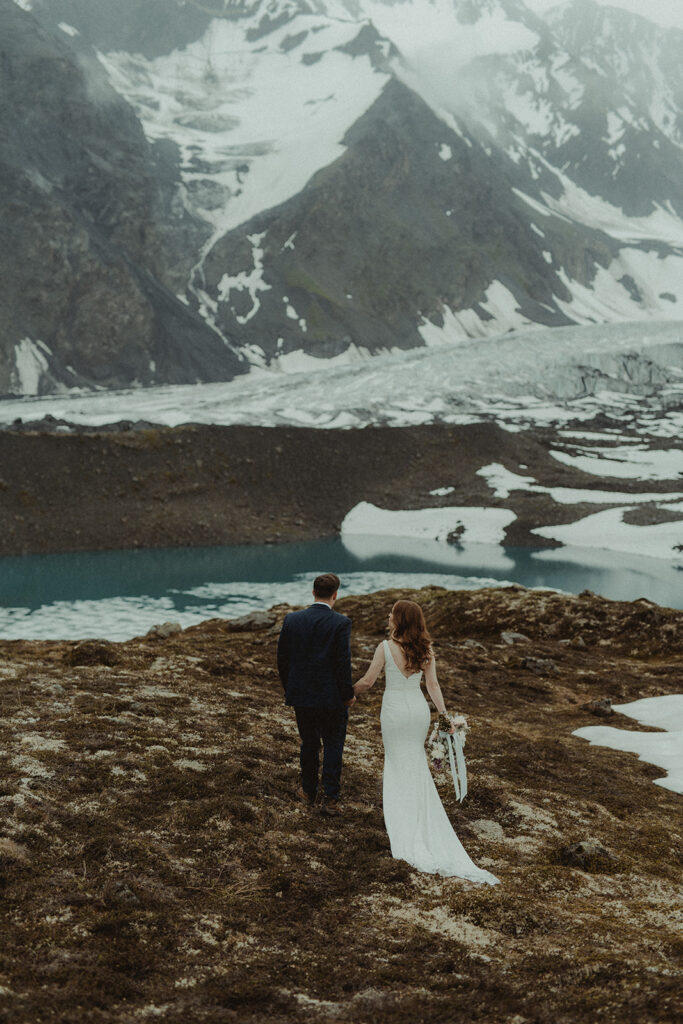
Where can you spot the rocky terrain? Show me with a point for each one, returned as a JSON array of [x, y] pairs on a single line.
[[79, 488], [155, 864]]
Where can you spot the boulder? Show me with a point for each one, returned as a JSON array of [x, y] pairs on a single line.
[[250, 621], [540, 666], [589, 855], [508, 636], [165, 629], [602, 707], [474, 645]]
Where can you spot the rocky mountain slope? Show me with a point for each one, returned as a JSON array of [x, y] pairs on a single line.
[[347, 177], [155, 864], [89, 260]]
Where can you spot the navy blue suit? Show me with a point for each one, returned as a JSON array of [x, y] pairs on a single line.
[[314, 662]]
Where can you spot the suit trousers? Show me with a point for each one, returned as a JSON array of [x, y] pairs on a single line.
[[329, 726]]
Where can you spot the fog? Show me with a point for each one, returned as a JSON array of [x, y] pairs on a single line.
[[668, 13]]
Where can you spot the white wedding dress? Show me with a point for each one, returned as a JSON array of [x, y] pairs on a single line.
[[417, 824]]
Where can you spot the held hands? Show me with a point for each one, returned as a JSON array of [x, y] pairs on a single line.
[[451, 723], [350, 703]]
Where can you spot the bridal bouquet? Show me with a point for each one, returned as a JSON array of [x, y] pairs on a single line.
[[437, 742], [446, 745]]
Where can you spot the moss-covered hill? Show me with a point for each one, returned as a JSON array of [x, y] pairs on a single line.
[[154, 862]]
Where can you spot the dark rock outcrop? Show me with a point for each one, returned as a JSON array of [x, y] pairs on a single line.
[[149, 27], [85, 273], [389, 237]]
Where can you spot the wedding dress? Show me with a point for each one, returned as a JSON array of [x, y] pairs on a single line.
[[417, 824]]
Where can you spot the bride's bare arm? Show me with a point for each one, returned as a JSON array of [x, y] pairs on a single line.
[[370, 677], [433, 688]]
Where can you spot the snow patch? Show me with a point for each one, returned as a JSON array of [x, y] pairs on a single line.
[[607, 530], [29, 366], [632, 462], [663, 749], [503, 482], [471, 524], [251, 281]]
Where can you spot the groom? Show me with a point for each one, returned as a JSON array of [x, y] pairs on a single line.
[[314, 662]]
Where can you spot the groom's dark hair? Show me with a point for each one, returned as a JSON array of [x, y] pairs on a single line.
[[326, 585]]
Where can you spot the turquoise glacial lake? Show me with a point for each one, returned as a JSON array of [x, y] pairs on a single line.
[[121, 594]]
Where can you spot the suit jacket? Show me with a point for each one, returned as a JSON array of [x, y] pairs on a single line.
[[314, 658]]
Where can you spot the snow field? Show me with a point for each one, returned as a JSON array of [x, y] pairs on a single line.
[[251, 118]]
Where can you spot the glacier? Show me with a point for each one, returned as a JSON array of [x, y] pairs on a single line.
[[520, 378]]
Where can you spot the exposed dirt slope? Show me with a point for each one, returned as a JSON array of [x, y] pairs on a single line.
[[154, 863], [146, 486]]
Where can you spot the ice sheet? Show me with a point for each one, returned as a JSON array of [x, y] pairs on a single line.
[[530, 376]]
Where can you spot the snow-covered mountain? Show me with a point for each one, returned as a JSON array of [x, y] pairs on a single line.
[[344, 177]]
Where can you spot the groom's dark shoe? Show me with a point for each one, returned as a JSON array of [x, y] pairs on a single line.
[[306, 798], [330, 807]]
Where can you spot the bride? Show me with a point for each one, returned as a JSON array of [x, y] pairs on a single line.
[[418, 826]]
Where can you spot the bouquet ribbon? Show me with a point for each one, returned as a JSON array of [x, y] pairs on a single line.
[[454, 746]]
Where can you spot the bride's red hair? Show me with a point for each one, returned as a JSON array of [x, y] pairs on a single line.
[[410, 632]]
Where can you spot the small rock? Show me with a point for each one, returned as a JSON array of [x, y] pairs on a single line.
[[540, 666], [120, 892], [474, 645], [601, 707], [11, 851], [588, 855], [165, 629], [455, 536], [510, 637], [252, 620], [138, 708]]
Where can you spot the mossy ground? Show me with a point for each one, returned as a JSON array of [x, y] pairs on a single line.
[[155, 864]]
